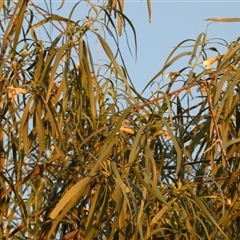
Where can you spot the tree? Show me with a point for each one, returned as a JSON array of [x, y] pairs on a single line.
[[85, 156]]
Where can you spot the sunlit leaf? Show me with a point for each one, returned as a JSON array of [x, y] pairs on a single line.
[[223, 19]]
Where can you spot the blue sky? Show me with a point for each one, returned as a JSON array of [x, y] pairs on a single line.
[[172, 22]]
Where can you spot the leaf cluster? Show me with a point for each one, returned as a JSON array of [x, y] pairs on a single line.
[[83, 155]]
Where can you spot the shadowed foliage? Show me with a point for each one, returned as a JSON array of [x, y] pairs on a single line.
[[83, 155]]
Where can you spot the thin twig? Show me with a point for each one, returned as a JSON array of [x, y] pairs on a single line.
[[162, 97], [219, 141]]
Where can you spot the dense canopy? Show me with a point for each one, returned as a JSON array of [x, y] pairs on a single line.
[[83, 155]]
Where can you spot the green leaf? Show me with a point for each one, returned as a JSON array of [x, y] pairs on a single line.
[[203, 208]]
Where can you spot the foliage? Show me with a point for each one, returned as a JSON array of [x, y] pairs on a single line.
[[84, 156]]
